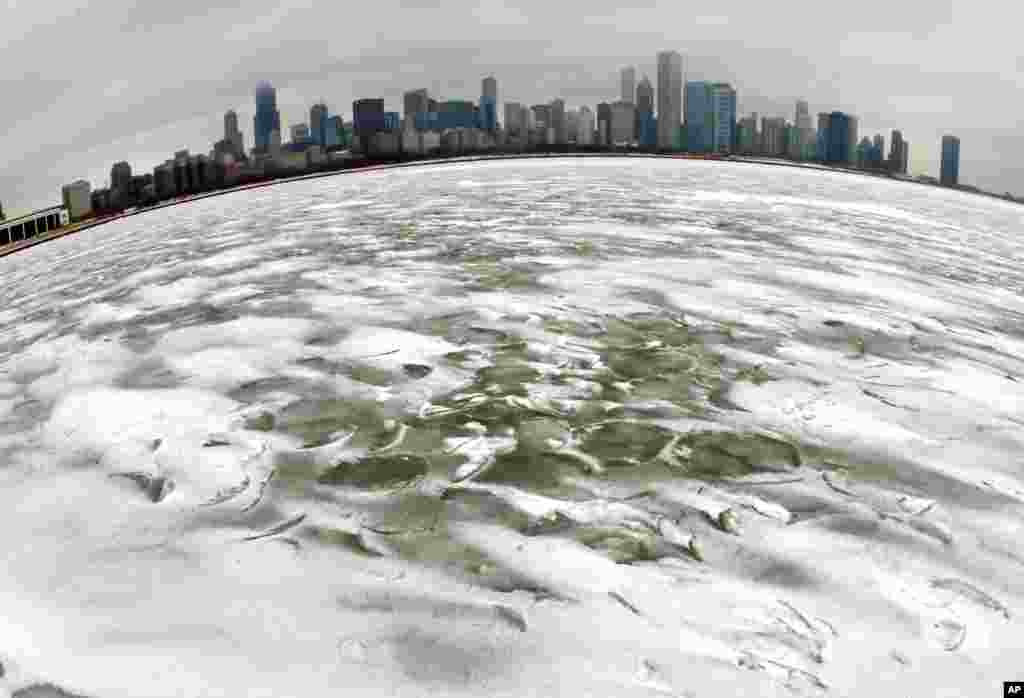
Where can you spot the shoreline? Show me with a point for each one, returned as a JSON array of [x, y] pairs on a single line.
[[20, 245]]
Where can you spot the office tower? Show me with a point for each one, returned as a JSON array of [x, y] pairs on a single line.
[[863, 156], [515, 124], [877, 150], [950, 171], [121, 177], [670, 98], [623, 123], [644, 106], [77, 199], [852, 139], [300, 133], [746, 136], [415, 102], [558, 121], [897, 153], [773, 136], [368, 119], [335, 136], [723, 103], [489, 104], [802, 119], [585, 126], [318, 124], [232, 134], [697, 117], [627, 78], [905, 156], [604, 123], [834, 133], [267, 119], [541, 116]]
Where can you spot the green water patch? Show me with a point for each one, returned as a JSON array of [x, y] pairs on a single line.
[[625, 443], [317, 421], [380, 471]]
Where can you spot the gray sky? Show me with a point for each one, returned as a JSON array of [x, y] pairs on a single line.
[[85, 83]]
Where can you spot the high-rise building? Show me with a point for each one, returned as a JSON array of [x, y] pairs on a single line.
[[515, 123], [723, 103], [627, 78], [773, 136], [415, 102], [604, 123], [644, 107], [300, 133], [121, 177], [950, 172], [835, 130], [267, 119], [821, 141], [489, 104], [556, 111], [77, 199], [897, 153], [670, 98], [747, 135], [585, 126], [699, 117], [852, 139], [335, 136], [623, 123], [318, 124], [232, 134], [802, 118]]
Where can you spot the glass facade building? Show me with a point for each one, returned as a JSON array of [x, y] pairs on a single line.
[[267, 119], [723, 103], [950, 170], [700, 117]]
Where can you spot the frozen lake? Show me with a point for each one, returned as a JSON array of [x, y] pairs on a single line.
[[594, 427]]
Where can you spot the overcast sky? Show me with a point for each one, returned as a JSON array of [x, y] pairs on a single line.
[[85, 83]]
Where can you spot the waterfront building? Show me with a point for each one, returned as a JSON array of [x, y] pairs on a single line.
[[121, 176], [604, 124], [585, 126], [746, 136], [77, 198], [851, 137], [558, 123], [950, 170], [700, 117], [515, 122], [898, 153], [267, 119], [723, 127], [627, 79], [318, 124], [300, 133], [835, 131], [232, 134], [670, 98], [773, 136], [623, 123], [802, 118], [33, 224], [415, 102], [644, 107], [368, 119], [489, 104]]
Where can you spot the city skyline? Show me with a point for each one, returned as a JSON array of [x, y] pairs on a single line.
[[894, 74]]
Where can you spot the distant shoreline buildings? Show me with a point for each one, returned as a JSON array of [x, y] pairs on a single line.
[[696, 117]]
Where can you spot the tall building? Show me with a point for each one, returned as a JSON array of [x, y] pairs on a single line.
[[318, 124], [232, 134], [699, 117], [852, 139], [585, 126], [604, 123], [121, 177], [644, 107], [835, 131], [515, 123], [802, 118], [367, 119], [773, 136], [950, 171], [77, 199], [267, 119], [723, 104], [898, 153], [670, 98], [415, 102], [623, 123], [300, 133], [489, 104], [627, 79], [747, 135], [556, 111]]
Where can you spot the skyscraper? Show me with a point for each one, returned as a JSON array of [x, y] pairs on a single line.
[[723, 103], [623, 123], [627, 78], [835, 131], [558, 122], [644, 109], [852, 139], [802, 119], [121, 177], [604, 123], [699, 117], [773, 136], [231, 133], [318, 124], [670, 98], [585, 126], [368, 119], [267, 119], [414, 102], [950, 172], [515, 123], [489, 104], [898, 153]]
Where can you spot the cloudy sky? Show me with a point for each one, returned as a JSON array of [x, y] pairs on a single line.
[[85, 83]]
